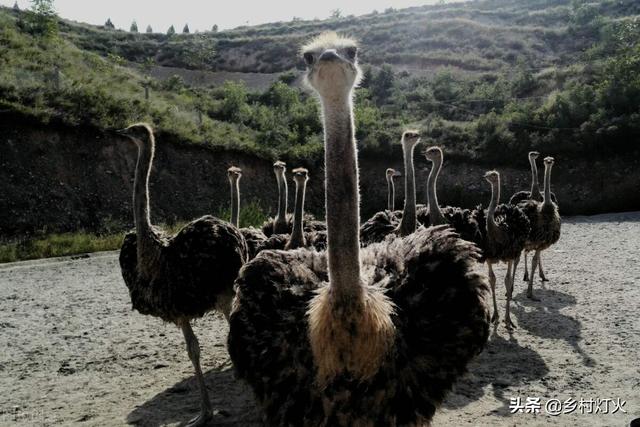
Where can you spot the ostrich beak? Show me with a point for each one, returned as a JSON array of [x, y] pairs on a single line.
[[329, 55], [397, 174]]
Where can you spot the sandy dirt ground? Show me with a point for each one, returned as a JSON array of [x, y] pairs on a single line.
[[72, 351]]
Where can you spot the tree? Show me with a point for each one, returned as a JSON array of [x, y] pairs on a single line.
[[382, 83], [149, 29], [171, 31], [234, 105], [185, 30], [214, 29], [43, 18], [199, 53], [15, 6], [147, 65], [336, 14], [134, 27], [367, 76], [108, 24]]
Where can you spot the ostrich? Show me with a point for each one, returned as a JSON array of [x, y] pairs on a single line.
[[391, 189], [536, 195], [253, 237], [181, 277], [464, 221], [279, 224], [351, 336], [256, 240], [383, 223], [298, 238], [283, 222], [506, 231], [545, 223]]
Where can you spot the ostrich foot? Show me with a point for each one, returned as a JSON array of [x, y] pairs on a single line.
[[495, 318], [201, 420], [526, 277], [543, 279], [509, 324]]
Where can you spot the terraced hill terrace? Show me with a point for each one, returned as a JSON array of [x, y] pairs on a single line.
[[475, 36]]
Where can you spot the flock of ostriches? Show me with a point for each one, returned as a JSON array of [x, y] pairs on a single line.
[[333, 323]]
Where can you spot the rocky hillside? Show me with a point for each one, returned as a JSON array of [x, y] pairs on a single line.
[[59, 178]]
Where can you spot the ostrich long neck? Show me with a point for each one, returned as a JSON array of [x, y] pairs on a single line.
[[535, 189], [495, 199], [235, 201], [408, 222], [547, 184], [391, 194], [342, 199], [297, 237], [282, 197], [146, 149], [435, 215]]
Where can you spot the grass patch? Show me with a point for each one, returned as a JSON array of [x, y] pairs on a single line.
[[81, 242], [56, 245], [251, 214]]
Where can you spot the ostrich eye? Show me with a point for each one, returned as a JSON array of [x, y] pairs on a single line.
[[351, 52], [308, 58]]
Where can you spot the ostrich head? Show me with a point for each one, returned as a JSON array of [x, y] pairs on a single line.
[[234, 173], [548, 161], [392, 173], [433, 154], [410, 138], [300, 175], [534, 155], [138, 132], [493, 177], [332, 65], [279, 167]]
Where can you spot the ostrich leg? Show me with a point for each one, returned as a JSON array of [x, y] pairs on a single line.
[[511, 278], [526, 267], [542, 275], [492, 280], [193, 348], [534, 266]]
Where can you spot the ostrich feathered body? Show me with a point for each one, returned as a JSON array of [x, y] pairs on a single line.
[[441, 322], [184, 275], [310, 224], [379, 226], [255, 238], [545, 224], [463, 221], [522, 196], [508, 240], [316, 240]]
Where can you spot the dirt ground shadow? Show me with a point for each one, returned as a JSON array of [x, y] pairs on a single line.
[[232, 400], [544, 319], [504, 363]]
